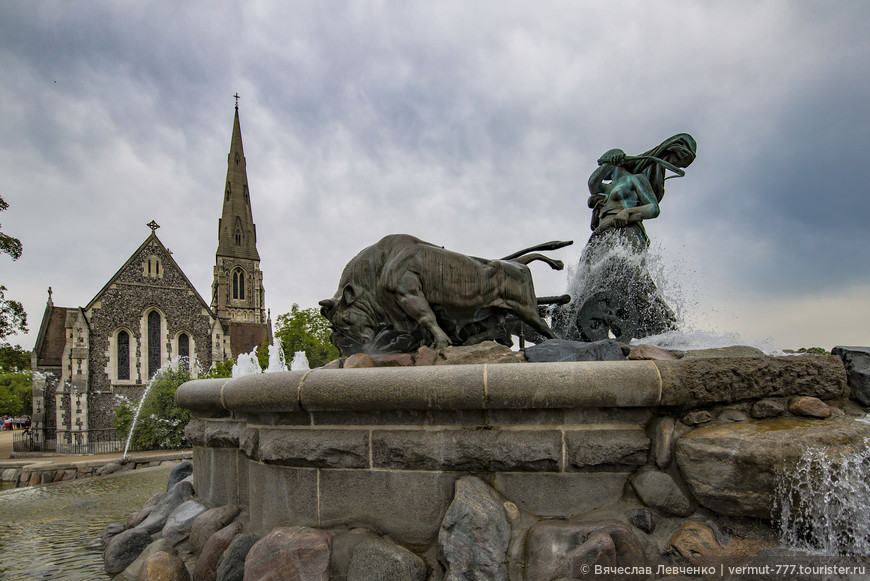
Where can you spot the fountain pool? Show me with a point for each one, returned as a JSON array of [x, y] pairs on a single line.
[[45, 530]]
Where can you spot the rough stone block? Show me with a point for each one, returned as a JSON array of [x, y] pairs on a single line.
[[696, 382], [732, 469], [314, 448], [223, 434], [596, 447], [560, 494], [217, 475], [467, 450], [407, 505], [280, 496], [857, 363]]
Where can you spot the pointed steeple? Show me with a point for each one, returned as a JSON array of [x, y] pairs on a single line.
[[237, 234], [238, 297]]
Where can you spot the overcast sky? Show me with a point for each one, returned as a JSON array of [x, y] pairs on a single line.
[[473, 125]]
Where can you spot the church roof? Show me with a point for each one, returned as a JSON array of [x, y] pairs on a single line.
[[237, 233], [51, 339], [166, 254], [245, 336]]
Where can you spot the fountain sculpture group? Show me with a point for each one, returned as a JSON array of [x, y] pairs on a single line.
[[516, 470]]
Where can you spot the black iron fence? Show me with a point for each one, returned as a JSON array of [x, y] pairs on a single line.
[[69, 441]]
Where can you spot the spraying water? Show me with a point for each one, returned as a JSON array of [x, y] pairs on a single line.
[[300, 362], [615, 291], [823, 503], [276, 357], [247, 364]]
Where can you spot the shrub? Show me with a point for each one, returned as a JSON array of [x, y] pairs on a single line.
[[161, 422]]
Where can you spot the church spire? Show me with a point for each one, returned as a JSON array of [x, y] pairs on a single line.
[[237, 234], [237, 291]]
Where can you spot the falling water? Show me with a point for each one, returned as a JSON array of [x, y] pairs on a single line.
[[300, 362], [247, 364], [276, 357], [823, 503]]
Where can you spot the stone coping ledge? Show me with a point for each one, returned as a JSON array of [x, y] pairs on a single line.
[[518, 386], [35, 465]]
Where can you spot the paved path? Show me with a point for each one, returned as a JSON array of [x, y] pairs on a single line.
[[6, 452]]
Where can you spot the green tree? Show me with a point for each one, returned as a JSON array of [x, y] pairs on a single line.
[[16, 394], [13, 319], [161, 422], [13, 358], [306, 330]]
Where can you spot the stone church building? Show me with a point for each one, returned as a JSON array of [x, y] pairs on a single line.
[[87, 360]]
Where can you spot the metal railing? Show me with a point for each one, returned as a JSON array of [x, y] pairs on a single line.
[[69, 441]]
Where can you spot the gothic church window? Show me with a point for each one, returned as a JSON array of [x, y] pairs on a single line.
[[238, 284], [123, 355], [154, 332], [184, 350], [238, 237]]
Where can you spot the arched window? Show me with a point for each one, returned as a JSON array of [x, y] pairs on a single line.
[[123, 355], [238, 237], [154, 333], [184, 350], [238, 284]]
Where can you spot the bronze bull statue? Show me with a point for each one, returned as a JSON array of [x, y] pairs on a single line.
[[402, 292]]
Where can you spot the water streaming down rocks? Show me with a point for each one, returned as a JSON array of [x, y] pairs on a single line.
[[823, 502]]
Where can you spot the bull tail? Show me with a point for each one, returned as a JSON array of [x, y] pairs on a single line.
[[553, 245]]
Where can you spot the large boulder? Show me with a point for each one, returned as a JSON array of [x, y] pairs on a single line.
[[177, 495], [179, 473], [475, 533], [857, 363], [123, 549], [209, 559], [732, 469], [231, 566], [378, 560], [131, 573], [288, 554], [210, 522], [163, 567], [659, 491], [567, 550], [177, 527], [697, 541]]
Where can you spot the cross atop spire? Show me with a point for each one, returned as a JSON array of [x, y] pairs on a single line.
[[237, 100], [153, 225]]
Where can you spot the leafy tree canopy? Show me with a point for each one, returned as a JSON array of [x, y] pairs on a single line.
[[8, 244], [13, 358], [16, 394], [13, 319], [306, 330]]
